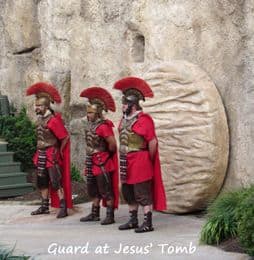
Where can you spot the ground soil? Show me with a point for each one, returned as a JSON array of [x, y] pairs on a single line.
[[231, 245]]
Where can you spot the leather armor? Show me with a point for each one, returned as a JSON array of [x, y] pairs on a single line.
[[94, 142], [45, 138], [130, 141]]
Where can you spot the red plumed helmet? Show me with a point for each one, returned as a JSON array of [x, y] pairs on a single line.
[[41, 88], [101, 94], [134, 83]]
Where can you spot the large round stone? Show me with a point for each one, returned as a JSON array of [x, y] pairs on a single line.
[[193, 134]]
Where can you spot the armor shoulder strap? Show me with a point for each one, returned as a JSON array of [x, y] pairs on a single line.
[[99, 124], [49, 117], [128, 123], [93, 126], [43, 121]]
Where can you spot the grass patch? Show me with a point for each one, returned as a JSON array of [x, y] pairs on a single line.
[[8, 254], [231, 215]]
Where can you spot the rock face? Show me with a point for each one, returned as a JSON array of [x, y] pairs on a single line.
[[192, 131], [20, 47], [78, 43]]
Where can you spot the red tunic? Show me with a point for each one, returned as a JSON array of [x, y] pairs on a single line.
[[139, 165], [104, 130], [56, 125]]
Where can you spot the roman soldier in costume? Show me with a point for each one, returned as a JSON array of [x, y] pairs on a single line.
[[140, 171], [52, 157], [101, 168]]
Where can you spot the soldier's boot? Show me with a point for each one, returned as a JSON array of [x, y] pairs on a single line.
[[93, 216], [43, 209], [110, 218], [63, 209], [147, 225], [132, 223]]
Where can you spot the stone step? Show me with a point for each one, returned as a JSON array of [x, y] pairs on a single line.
[[6, 157], [12, 178], [3, 146], [15, 190], [9, 167]]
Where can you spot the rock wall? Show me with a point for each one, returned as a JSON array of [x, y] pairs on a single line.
[[78, 43]]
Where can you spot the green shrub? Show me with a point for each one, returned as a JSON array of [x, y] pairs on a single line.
[[222, 222], [75, 173], [245, 215], [19, 132]]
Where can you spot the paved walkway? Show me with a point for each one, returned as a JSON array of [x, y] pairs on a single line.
[[45, 237]]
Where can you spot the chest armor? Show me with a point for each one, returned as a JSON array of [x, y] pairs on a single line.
[[94, 142], [45, 138], [130, 141]]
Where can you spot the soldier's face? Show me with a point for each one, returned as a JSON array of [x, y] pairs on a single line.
[[91, 116], [124, 107], [124, 104], [39, 108]]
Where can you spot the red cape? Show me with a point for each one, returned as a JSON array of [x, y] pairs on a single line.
[[115, 175], [66, 170], [66, 181], [159, 196]]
